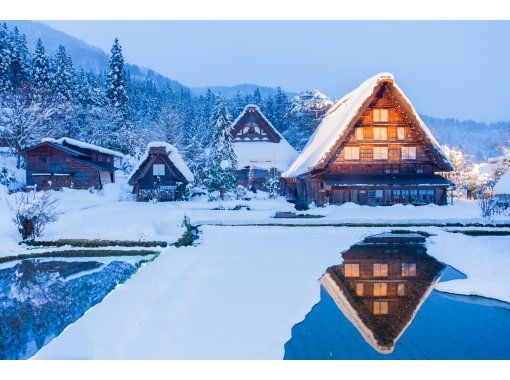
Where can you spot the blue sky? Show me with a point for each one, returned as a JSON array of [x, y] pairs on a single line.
[[457, 68]]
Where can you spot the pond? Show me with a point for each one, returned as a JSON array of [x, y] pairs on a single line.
[[40, 297], [380, 304]]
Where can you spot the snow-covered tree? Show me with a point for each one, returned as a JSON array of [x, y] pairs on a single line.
[[272, 183], [116, 82], [5, 60], [123, 137], [222, 160], [64, 80], [23, 117], [257, 97], [41, 72], [19, 71]]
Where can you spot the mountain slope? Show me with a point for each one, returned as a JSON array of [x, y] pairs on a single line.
[[85, 56]]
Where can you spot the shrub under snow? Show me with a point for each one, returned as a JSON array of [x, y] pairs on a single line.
[[32, 212]]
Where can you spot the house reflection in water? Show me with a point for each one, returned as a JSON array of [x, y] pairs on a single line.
[[381, 285]]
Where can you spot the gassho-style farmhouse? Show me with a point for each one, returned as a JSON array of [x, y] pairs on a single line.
[[371, 148]]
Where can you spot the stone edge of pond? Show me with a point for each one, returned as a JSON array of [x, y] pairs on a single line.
[[80, 253], [347, 224]]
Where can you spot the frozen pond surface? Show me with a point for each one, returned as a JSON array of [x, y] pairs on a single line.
[[40, 297], [379, 304]]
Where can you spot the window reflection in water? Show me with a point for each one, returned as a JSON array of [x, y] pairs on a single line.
[[381, 285]]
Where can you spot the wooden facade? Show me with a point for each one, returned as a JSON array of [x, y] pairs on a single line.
[[55, 165], [380, 288], [157, 177], [382, 157]]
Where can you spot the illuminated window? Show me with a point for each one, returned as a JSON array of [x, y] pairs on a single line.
[[359, 289], [380, 153], [380, 307], [401, 133], [380, 270], [380, 115], [380, 289], [401, 289], [380, 133], [158, 169], [351, 270], [408, 269], [351, 153], [409, 153], [359, 134]]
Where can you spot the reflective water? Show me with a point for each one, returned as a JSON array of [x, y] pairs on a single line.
[[40, 297], [380, 304]]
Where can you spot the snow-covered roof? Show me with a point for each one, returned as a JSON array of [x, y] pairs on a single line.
[[254, 107], [83, 145], [265, 154], [340, 117], [503, 185], [173, 155]]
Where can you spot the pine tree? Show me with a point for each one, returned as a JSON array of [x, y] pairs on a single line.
[[272, 183], [281, 108], [222, 160], [5, 60], [237, 104], [41, 76], [257, 97], [64, 81], [19, 66], [116, 82], [64, 76]]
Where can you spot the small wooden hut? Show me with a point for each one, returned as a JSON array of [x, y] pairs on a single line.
[[65, 162], [161, 174], [371, 148]]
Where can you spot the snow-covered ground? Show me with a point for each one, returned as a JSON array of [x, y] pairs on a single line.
[[114, 215], [239, 292]]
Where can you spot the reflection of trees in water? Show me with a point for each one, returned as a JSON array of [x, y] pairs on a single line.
[[37, 303]]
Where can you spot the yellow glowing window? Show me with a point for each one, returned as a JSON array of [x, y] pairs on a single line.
[[380, 307], [401, 133], [380, 270], [409, 153], [351, 270], [351, 153], [380, 152], [401, 290], [408, 269], [359, 289], [380, 133], [359, 134], [380, 115], [380, 289]]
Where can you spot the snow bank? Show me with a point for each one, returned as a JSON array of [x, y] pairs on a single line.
[[236, 295], [485, 260], [242, 289]]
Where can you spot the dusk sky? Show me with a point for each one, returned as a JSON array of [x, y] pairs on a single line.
[[448, 69]]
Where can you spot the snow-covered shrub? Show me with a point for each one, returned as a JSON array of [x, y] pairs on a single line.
[[301, 205], [272, 183], [8, 179], [240, 192], [485, 201], [32, 212]]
